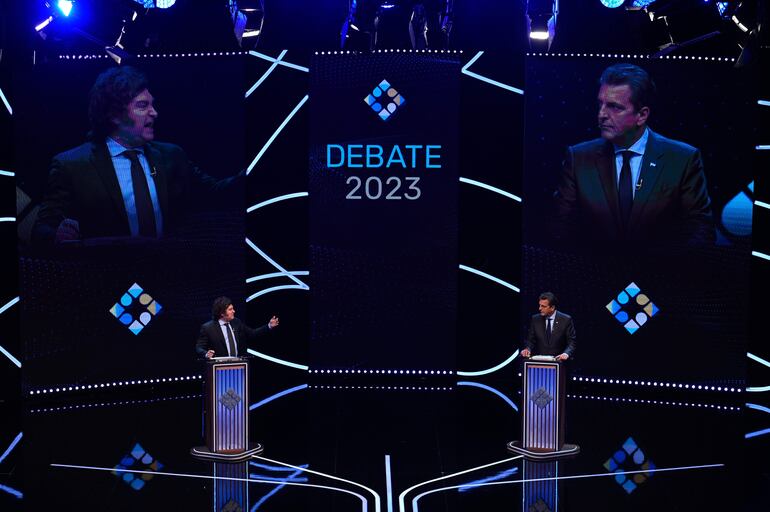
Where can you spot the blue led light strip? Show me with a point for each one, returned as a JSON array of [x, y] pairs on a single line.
[[490, 277], [275, 200], [11, 446], [489, 388], [276, 289], [275, 134], [3, 309], [762, 204], [276, 360], [485, 79], [490, 370], [266, 74], [763, 147], [278, 488], [282, 62], [493, 478], [277, 274], [388, 483], [11, 491], [764, 103], [275, 264], [7, 219], [490, 188], [758, 359], [5, 102], [277, 395], [6, 173], [760, 255]]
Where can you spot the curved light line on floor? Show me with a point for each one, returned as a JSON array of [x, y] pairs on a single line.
[[376, 496], [275, 134], [276, 360], [750, 406], [11, 446], [762, 204], [401, 496], [278, 274], [266, 74], [275, 200], [758, 359], [11, 491], [490, 370], [276, 289], [557, 478], [5, 102], [210, 477], [760, 255], [7, 173], [9, 304], [489, 388], [274, 263], [758, 389], [485, 79], [757, 433], [277, 395], [490, 188], [490, 277], [7, 219], [282, 63]]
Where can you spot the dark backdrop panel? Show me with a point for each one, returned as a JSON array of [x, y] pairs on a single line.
[[383, 255], [70, 336], [700, 332]]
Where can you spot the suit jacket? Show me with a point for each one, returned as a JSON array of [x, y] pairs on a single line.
[[671, 203], [562, 338], [212, 338], [82, 185]]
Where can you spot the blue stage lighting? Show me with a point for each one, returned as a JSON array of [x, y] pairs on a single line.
[[641, 4], [65, 6], [612, 3]]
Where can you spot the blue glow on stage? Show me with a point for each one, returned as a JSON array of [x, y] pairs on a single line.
[[489, 388], [11, 446], [277, 395]]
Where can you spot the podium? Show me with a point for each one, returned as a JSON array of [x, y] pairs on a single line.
[[226, 411], [542, 412]]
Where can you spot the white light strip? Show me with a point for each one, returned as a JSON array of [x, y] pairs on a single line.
[[764, 103], [763, 147], [7, 173], [760, 255], [376, 496], [490, 370], [275, 264], [7, 219], [11, 446], [275, 134], [401, 507], [8, 304], [266, 74], [491, 188], [210, 477], [762, 389], [275, 200], [100, 385], [485, 79], [656, 402], [5, 102], [277, 274], [388, 483], [629, 56], [282, 63], [276, 289], [276, 360], [650, 383], [490, 277], [10, 356], [758, 359], [762, 204], [557, 478]]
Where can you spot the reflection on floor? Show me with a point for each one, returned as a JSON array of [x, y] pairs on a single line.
[[363, 446]]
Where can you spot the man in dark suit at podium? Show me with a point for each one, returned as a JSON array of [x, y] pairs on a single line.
[[551, 332], [224, 335]]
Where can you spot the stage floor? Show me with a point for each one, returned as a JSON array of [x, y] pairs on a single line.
[[398, 446]]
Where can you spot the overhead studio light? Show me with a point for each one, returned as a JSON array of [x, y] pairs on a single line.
[[65, 7], [541, 16]]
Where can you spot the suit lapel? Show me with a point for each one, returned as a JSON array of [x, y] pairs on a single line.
[[161, 186], [102, 163], [652, 168], [605, 163]]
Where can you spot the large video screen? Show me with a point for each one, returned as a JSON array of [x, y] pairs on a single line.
[[654, 273]]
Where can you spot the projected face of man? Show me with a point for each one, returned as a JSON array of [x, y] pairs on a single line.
[[619, 121], [545, 307], [228, 314], [136, 127]]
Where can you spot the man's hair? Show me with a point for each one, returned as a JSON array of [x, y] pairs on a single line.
[[640, 82], [112, 92], [550, 297], [219, 306]]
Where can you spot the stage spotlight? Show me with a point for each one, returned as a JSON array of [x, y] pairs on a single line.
[[65, 7], [541, 16]]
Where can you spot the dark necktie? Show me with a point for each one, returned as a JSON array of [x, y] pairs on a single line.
[[548, 330], [230, 341], [145, 213], [625, 192]]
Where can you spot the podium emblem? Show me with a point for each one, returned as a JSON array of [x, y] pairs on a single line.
[[230, 399], [542, 398]]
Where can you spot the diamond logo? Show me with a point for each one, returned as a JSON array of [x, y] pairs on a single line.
[[230, 399], [385, 100], [630, 458], [135, 309], [541, 398], [137, 459], [631, 298]]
